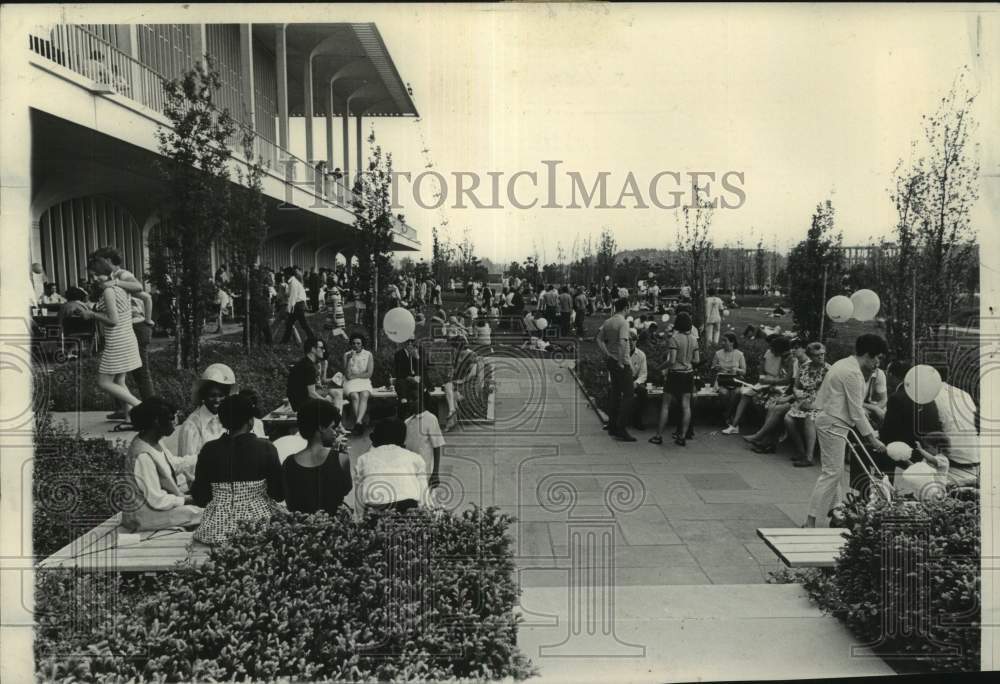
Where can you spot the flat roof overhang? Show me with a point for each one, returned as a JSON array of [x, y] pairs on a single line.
[[350, 61]]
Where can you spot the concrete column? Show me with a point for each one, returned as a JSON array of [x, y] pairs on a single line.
[[307, 107], [358, 151], [247, 90], [199, 42], [329, 131], [282, 65], [346, 122]]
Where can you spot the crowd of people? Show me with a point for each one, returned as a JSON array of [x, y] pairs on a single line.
[[226, 471]]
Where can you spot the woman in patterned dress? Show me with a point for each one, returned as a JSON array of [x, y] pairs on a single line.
[[799, 419], [121, 349], [238, 477], [465, 370]]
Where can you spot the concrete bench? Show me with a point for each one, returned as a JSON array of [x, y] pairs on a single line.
[[805, 547]]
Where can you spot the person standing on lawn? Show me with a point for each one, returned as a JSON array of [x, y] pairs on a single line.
[[713, 316], [565, 311], [549, 302], [580, 305], [613, 341], [840, 400]]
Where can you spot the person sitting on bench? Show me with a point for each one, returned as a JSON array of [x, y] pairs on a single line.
[[389, 477], [163, 500]]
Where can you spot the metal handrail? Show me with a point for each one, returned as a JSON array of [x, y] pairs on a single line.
[[86, 53]]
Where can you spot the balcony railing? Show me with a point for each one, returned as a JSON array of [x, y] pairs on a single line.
[[111, 69]]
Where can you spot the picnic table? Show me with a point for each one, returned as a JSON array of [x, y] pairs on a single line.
[[805, 547]]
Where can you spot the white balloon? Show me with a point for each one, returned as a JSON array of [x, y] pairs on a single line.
[[399, 324], [866, 305], [898, 451], [541, 323], [840, 309], [725, 312], [922, 384], [665, 317], [629, 319]]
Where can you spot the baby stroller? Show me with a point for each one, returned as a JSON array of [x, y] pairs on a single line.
[[868, 482]]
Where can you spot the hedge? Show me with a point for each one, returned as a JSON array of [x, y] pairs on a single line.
[[944, 575], [424, 596], [77, 483]]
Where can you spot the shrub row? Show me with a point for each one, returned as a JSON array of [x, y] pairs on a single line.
[[927, 610], [426, 596]]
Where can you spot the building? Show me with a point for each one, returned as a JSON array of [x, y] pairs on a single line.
[[866, 254], [96, 100]]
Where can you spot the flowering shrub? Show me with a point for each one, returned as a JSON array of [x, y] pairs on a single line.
[[928, 609], [421, 596]]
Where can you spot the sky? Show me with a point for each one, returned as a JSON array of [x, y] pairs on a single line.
[[809, 103]]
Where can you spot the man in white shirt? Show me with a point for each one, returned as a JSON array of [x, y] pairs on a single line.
[[841, 399], [640, 372], [389, 476], [958, 412], [423, 434], [713, 316], [296, 305]]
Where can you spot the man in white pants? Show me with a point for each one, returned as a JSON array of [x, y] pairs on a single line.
[[841, 398]]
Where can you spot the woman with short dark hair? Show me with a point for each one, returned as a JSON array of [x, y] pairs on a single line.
[[238, 477], [163, 502], [359, 366], [318, 477]]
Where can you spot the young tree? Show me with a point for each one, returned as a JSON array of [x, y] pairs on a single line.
[[196, 174], [375, 222], [245, 235], [607, 248], [935, 252], [759, 265], [442, 254], [808, 261], [694, 240]]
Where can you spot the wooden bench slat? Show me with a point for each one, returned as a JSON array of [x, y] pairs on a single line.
[[800, 532], [808, 548], [810, 560], [792, 541]]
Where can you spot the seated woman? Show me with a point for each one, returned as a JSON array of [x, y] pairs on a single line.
[[777, 372], [483, 336], [729, 365], [463, 374], [163, 502], [238, 477], [766, 439], [390, 477], [799, 419], [359, 365], [202, 425], [318, 477]]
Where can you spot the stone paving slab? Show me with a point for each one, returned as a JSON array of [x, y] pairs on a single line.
[[687, 633]]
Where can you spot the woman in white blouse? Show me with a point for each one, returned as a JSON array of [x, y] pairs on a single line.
[[163, 499], [359, 365]]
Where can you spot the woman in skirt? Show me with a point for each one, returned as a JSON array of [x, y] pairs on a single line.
[[121, 349], [238, 477], [359, 366]]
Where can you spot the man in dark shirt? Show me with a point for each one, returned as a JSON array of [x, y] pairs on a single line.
[[303, 377], [407, 372]]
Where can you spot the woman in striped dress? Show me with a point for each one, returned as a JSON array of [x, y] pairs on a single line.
[[121, 349]]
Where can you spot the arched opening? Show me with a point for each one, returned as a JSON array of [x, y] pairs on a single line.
[[72, 229]]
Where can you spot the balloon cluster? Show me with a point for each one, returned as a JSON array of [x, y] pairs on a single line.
[[863, 305]]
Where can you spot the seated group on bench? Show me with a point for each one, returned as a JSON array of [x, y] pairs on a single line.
[[239, 476]]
